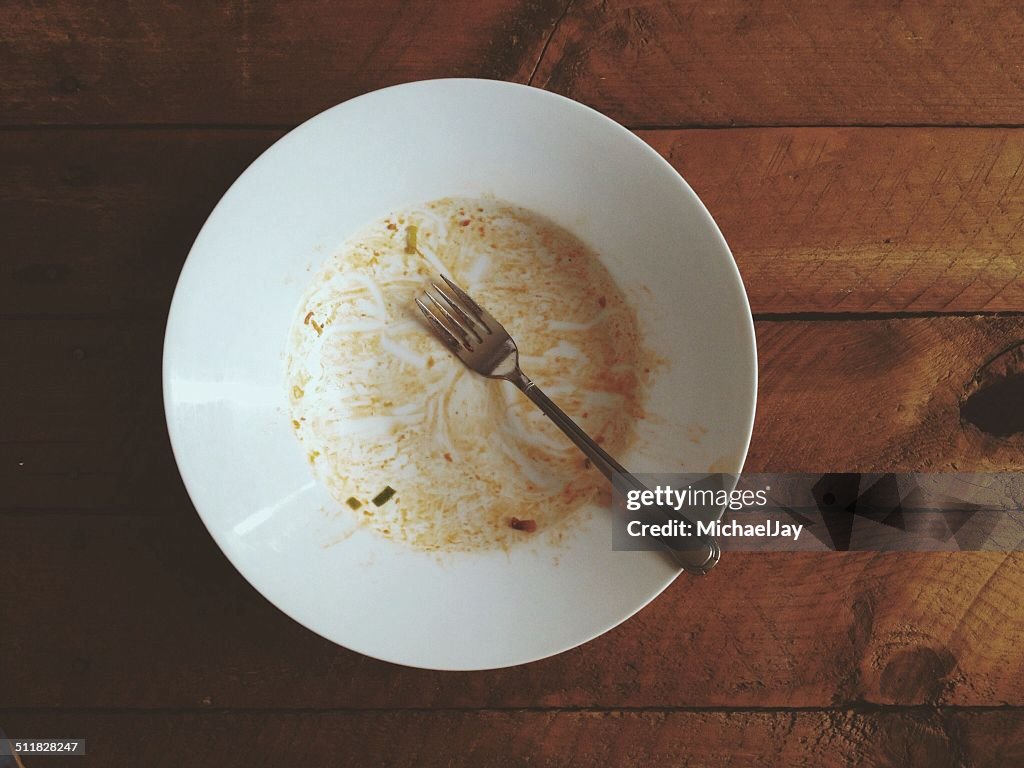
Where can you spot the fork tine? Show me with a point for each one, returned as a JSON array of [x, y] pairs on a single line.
[[449, 321], [438, 327], [482, 315], [467, 322], [477, 309], [476, 338]]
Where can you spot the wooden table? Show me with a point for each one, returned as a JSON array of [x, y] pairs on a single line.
[[864, 160]]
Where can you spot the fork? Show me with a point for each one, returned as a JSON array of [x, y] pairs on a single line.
[[483, 344]]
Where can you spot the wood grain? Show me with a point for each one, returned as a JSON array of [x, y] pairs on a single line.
[[855, 220], [820, 220], [125, 611], [727, 62], [873, 395], [243, 62], [878, 395], [83, 424], [123, 623], [497, 739], [101, 221], [668, 63]]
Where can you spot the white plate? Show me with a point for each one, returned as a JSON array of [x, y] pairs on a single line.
[[224, 376]]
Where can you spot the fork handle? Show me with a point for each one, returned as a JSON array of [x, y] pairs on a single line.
[[696, 554]]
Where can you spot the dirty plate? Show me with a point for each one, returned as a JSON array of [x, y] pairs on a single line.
[[226, 396]]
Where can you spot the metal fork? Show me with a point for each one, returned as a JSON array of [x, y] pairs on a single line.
[[483, 344]]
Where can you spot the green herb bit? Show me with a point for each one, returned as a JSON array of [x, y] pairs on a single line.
[[410, 238], [384, 496], [353, 502]]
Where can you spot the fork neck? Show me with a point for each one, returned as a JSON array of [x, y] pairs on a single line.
[[608, 466]]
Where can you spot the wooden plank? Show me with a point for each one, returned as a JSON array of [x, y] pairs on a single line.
[[727, 62], [995, 739], [820, 220], [495, 739], [855, 220], [245, 62], [671, 62], [83, 423], [101, 221], [127, 612], [878, 395]]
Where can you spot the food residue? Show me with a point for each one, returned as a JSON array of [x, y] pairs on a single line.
[[384, 496], [385, 407]]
